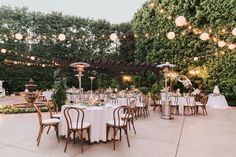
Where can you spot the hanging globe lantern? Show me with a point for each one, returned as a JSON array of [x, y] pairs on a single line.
[[113, 37], [221, 43], [180, 21], [18, 36], [204, 36], [231, 46], [3, 51], [234, 31], [61, 37], [170, 35]]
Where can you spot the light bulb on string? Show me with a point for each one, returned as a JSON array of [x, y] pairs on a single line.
[[195, 58]]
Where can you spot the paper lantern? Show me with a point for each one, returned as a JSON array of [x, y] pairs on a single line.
[[113, 36], [170, 35], [32, 58], [204, 36], [231, 46], [3, 51], [61, 37], [195, 58], [18, 36], [221, 43], [234, 31], [180, 21]]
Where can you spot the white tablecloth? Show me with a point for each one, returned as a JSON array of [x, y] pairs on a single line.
[[47, 95], [217, 102], [181, 101], [97, 116]]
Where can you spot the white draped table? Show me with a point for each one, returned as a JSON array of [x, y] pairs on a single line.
[[181, 101], [96, 116], [217, 102]]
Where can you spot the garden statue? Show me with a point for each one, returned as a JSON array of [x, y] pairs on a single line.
[[216, 90]]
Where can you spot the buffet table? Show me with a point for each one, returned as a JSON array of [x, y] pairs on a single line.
[[97, 116], [217, 102]]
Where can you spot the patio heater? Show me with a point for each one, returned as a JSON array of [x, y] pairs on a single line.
[[80, 69], [166, 104], [91, 83]]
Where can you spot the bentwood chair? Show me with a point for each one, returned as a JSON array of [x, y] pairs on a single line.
[[112, 100], [75, 124], [202, 104], [130, 118], [46, 123], [118, 123]]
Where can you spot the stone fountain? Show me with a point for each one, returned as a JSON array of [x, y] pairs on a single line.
[[30, 94]]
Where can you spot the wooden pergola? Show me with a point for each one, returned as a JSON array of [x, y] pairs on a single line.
[[114, 66]]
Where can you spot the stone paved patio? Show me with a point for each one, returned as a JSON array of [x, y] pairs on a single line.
[[195, 136]]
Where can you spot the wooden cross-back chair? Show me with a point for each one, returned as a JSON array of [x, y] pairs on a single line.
[[46, 123], [202, 104]]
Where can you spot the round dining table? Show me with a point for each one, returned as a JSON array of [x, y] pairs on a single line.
[[97, 116]]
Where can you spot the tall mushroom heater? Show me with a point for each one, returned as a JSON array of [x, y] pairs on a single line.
[[80, 68], [166, 104]]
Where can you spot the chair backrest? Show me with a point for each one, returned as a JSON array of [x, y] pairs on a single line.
[[145, 100], [118, 121], [74, 115], [52, 107], [204, 100], [112, 100], [190, 101], [131, 99], [39, 114]]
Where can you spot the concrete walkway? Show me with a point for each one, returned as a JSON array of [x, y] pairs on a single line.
[[195, 136]]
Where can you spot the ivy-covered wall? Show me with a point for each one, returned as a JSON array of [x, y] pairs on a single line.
[[156, 18]]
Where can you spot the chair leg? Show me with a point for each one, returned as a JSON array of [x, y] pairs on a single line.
[[39, 136], [74, 137], [88, 132], [82, 139], [126, 133], [48, 129], [205, 110], [108, 128], [132, 121], [56, 128], [114, 138], [120, 134], [67, 140]]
